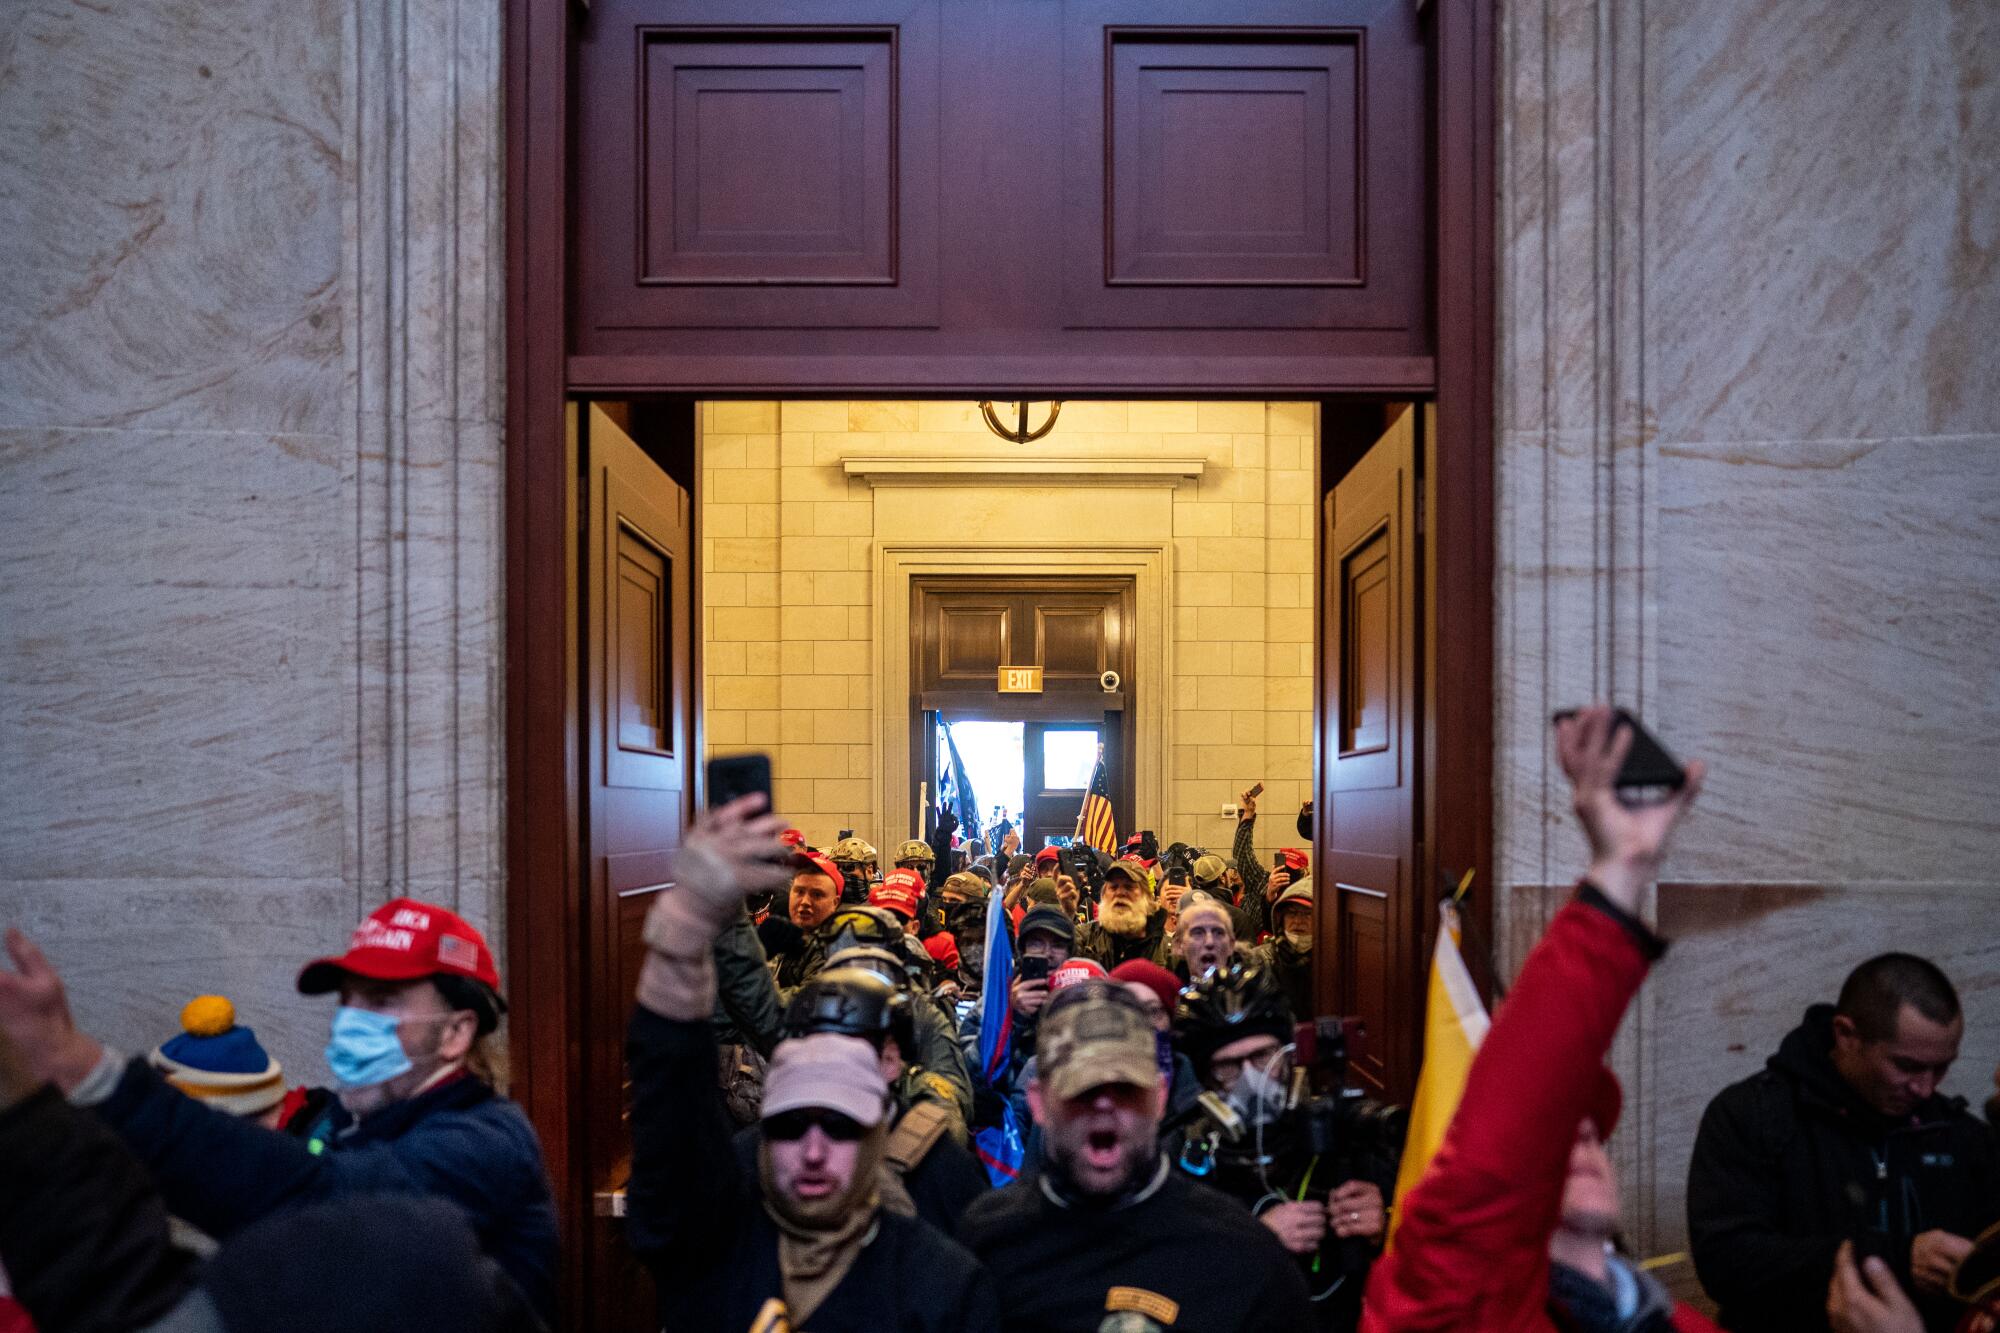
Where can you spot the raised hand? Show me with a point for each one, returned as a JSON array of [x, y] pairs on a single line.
[[1246, 809], [727, 854], [1627, 842], [34, 1015]]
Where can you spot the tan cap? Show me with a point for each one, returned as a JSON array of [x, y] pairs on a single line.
[[1208, 869], [967, 883], [914, 850], [827, 1072], [1132, 868], [1091, 1041]]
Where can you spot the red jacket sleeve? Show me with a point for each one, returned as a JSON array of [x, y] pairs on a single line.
[[1472, 1247]]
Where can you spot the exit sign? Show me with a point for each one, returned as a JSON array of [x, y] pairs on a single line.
[[1021, 680]]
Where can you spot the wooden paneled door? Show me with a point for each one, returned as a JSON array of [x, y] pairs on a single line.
[[1369, 903], [638, 690], [1060, 757], [1076, 628]]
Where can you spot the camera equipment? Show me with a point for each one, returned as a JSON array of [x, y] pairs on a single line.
[[1149, 845], [1178, 862]]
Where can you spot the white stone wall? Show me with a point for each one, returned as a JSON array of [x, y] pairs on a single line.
[[249, 490], [1749, 481]]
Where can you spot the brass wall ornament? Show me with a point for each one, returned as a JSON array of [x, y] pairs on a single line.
[[1020, 434]]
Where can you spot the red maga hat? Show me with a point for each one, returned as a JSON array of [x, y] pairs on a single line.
[[1294, 858], [807, 861], [900, 891], [1047, 854], [405, 940]]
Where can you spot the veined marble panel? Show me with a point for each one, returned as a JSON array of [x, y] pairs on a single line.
[[1825, 239], [170, 223], [133, 951], [1747, 960], [1829, 638], [170, 669]]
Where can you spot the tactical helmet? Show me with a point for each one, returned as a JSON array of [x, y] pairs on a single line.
[[883, 960], [856, 924], [853, 1002], [1235, 1001], [852, 851], [914, 850]]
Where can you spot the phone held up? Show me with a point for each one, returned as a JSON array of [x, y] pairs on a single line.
[[739, 775], [1649, 774], [1034, 969]]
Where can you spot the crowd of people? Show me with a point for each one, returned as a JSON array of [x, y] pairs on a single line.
[[846, 1116]]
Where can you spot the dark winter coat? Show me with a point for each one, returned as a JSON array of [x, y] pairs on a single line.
[[746, 1007], [696, 1218], [1775, 1160], [458, 1142], [83, 1234], [1060, 1268], [1294, 971], [1093, 941]]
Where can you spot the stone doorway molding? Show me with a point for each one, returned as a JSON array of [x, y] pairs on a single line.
[[1150, 566]]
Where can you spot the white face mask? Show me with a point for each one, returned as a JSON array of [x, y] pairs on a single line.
[[1301, 940], [1258, 1097]]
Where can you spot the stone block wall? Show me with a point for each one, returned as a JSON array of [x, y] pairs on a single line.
[[792, 540]]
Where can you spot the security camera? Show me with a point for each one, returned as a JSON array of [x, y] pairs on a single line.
[[1109, 680]]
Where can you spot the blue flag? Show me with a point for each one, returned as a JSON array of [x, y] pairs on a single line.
[[1000, 1147]]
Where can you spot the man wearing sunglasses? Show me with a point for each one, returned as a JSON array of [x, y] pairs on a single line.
[[1103, 1235], [803, 1239]]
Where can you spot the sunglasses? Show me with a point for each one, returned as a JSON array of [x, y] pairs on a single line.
[[791, 1126]]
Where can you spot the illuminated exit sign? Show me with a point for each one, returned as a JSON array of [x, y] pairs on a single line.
[[1020, 680]]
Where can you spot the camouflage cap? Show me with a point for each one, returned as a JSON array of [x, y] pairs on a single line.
[[1093, 1038], [910, 849]]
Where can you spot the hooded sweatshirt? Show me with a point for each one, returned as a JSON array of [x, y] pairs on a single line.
[[1790, 1162]]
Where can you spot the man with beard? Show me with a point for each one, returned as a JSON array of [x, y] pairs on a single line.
[[1127, 927], [803, 1241], [1103, 1235], [1288, 953]]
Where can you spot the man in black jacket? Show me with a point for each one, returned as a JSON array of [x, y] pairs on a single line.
[[1104, 1235], [1843, 1134], [803, 1241]]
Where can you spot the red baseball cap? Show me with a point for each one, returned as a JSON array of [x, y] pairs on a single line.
[[1074, 972], [900, 891], [944, 949], [1294, 858], [1047, 854], [405, 940], [791, 837], [807, 861]]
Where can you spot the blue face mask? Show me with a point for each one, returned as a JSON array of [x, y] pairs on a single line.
[[365, 1049]]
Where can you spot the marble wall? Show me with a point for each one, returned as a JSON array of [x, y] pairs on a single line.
[[249, 443], [1750, 485]]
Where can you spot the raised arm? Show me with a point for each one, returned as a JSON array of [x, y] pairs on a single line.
[[1495, 1187], [685, 1193]]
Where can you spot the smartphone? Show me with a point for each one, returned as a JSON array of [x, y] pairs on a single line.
[[1647, 763], [1278, 861], [1034, 969], [1255, 791], [739, 775]]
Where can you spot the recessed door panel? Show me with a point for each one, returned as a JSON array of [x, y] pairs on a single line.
[[1372, 917]]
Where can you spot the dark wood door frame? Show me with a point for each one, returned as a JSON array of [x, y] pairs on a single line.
[[544, 871]]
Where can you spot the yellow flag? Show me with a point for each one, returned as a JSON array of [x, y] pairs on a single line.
[[1455, 1022]]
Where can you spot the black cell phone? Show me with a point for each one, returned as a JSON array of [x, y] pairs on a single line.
[[1278, 861], [1647, 763], [1034, 969], [739, 775]]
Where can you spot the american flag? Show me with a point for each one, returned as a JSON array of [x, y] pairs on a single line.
[[1094, 823]]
